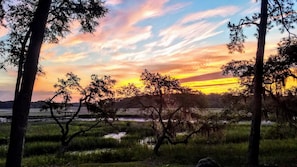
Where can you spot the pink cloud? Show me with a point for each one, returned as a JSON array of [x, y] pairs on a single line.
[[113, 2], [3, 31], [119, 28], [221, 12], [204, 77]]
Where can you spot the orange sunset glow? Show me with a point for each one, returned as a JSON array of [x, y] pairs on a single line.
[[185, 39]]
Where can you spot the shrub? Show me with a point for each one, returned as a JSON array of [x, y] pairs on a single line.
[[90, 143], [41, 148]]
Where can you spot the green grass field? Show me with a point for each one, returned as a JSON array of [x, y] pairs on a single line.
[[229, 147]]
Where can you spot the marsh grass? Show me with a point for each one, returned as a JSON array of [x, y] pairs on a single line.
[[89, 143], [40, 148], [237, 133], [228, 148], [3, 150], [122, 164]]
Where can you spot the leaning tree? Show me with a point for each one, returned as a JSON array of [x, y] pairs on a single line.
[[273, 12], [169, 107], [30, 23], [97, 98]]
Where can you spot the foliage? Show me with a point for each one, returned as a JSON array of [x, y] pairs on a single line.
[[276, 71], [97, 97], [281, 14]]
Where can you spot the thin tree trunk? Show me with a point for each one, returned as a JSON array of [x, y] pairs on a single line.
[[21, 64], [22, 102], [254, 140], [158, 144]]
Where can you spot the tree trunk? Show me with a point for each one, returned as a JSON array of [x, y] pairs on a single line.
[[254, 140], [22, 102], [158, 144]]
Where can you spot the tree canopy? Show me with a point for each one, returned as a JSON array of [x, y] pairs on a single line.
[[277, 69]]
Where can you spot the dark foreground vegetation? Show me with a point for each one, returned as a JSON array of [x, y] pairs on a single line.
[[228, 146]]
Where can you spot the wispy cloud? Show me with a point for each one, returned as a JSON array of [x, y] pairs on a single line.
[[224, 11], [254, 7], [69, 57]]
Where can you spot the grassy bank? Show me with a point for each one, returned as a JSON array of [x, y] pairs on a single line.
[[229, 147]]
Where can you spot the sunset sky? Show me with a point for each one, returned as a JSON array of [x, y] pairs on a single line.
[[185, 39]]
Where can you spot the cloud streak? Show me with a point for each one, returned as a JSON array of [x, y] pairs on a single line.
[[224, 11], [205, 77]]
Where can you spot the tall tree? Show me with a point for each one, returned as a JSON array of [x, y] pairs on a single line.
[[282, 14], [31, 23]]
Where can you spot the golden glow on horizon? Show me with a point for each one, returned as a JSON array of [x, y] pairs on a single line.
[[136, 81], [209, 86], [213, 86]]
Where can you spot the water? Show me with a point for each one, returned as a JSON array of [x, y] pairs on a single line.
[[35, 112], [148, 141], [116, 136], [38, 112]]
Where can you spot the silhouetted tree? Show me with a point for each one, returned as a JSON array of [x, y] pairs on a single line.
[[30, 24], [282, 14], [236, 105], [277, 69], [170, 107], [98, 97]]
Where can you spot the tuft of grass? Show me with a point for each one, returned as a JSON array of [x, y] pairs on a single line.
[[3, 151], [47, 161], [237, 133], [40, 148], [225, 154], [90, 143]]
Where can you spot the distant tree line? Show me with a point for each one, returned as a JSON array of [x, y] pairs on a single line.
[[213, 100]]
